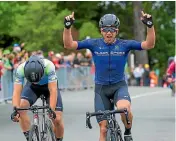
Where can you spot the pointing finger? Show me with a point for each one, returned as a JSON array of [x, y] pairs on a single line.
[[73, 15]]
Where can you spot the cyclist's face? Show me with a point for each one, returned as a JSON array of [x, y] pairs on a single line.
[[109, 34]]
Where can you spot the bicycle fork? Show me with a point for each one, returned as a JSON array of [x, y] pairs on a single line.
[[43, 132], [36, 123], [114, 128]]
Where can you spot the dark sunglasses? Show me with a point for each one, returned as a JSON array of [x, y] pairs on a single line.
[[109, 29]]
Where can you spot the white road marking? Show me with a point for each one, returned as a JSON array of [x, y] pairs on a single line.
[[149, 93]]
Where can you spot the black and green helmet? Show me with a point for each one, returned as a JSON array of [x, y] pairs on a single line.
[[109, 20]]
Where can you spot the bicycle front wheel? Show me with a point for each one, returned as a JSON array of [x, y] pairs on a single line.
[[49, 134], [34, 133], [111, 136]]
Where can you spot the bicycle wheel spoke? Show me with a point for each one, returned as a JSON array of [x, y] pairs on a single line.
[[34, 134], [49, 134]]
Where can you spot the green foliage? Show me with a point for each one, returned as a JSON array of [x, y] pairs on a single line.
[[40, 24], [87, 29]]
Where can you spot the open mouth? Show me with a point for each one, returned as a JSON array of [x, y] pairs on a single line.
[[109, 37]]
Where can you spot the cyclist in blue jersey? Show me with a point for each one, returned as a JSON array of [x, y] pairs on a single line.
[[41, 79], [110, 55]]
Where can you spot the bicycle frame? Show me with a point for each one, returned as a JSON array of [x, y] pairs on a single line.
[[113, 126], [111, 123], [36, 118]]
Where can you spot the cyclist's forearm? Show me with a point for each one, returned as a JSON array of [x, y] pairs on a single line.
[[16, 95], [16, 99], [67, 38], [53, 99], [150, 37]]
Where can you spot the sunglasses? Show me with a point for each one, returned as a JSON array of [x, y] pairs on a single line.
[[109, 29]]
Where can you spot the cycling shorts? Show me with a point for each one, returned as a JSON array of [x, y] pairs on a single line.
[[105, 94]]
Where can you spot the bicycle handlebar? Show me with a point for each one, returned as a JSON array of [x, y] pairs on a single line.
[[106, 113], [32, 108], [51, 113]]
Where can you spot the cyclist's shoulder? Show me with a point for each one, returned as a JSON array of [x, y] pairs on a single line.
[[93, 40], [20, 70], [125, 40], [49, 66], [47, 62]]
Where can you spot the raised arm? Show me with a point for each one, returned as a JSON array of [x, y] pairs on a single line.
[[149, 43], [67, 36]]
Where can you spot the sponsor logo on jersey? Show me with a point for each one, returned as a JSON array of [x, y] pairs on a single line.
[[112, 53], [117, 47]]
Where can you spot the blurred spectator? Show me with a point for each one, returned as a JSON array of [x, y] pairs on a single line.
[[55, 61], [17, 60], [40, 53], [87, 61], [61, 60], [34, 53], [7, 79], [50, 55], [78, 60], [69, 60], [6, 60], [26, 56], [138, 72], [153, 79], [146, 75], [1, 71], [16, 48], [22, 46], [127, 73]]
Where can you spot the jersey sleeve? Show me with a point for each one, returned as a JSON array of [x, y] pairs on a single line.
[[134, 45], [19, 75], [84, 44], [171, 69], [51, 73]]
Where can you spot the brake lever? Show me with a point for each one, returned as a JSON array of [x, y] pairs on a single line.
[[15, 113], [51, 113], [88, 123], [126, 115]]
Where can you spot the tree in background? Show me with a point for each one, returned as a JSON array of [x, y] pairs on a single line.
[[40, 24], [141, 57]]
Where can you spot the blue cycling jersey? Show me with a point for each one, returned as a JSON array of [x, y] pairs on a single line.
[[109, 59]]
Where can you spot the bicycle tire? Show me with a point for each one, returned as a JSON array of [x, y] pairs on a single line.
[[111, 136], [49, 130], [119, 135], [34, 130]]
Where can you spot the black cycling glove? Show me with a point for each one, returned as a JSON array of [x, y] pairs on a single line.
[[68, 23], [15, 113], [148, 21]]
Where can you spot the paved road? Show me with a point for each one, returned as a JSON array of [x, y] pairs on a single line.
[[153, 109]]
